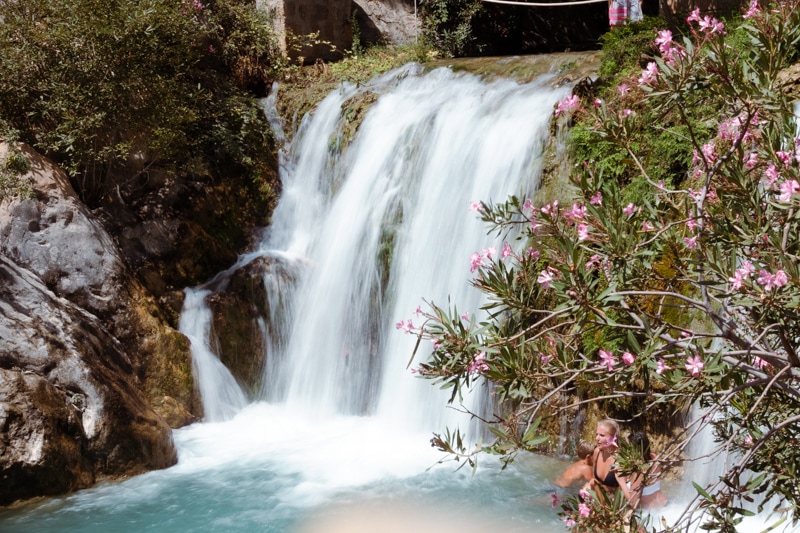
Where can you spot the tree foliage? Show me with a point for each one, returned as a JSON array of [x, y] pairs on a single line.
[[107, 88], [684, 294]]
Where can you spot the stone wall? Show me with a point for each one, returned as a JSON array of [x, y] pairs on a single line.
[[331, 19]]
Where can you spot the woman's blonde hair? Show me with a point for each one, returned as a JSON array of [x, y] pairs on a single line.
[[610, 424]]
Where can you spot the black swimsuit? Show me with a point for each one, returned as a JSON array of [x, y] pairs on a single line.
[[609, 481]]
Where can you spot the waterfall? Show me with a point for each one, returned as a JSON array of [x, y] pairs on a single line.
[[363, 232]]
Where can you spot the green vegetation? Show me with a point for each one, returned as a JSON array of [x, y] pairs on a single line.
[[448, 25], [13, 166], [670, 280], [114, 89]]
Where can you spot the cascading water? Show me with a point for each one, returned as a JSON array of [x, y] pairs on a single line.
[[376, 229]]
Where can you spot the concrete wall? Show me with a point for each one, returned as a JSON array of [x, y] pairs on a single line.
[[297, 18]]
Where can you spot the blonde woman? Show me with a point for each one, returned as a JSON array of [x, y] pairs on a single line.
[[604, 460]]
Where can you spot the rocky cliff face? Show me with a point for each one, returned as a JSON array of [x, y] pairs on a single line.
[[77, 336]]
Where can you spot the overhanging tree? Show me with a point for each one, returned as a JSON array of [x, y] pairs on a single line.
[[688, 296]]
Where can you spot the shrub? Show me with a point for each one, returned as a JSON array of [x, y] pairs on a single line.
[[109, 88]]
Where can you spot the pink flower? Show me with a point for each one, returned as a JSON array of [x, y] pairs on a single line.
[[771, 173], [507, 251], [752, 11], [597, 199], [545, 358], [584, 510], [780, 278], [533, 254], [418, 310], [555, 499], [577, 213], [465, 316], [623, 89], [694, 365], [628, 358], [691, 224], [748, 440], [694, 15], [711, 25], [583, 232], [759, 363], [736, 281], [625, 112], [709, 152], [488, 252], [664, 40], [405, 326], [646, 226], [569, 522], [545, 279], [567, 104], [477, 364], [650, 74], [553, 207], [593, 262], [598, 102], [583, 493], [690, 242], [607, 358], [475, 207], [476, 262], [661, 366], [751, 160], [784, 157], [788, 188], [766, 279], [629, 209], [528, 205]]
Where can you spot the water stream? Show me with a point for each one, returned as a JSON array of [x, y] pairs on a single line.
[[339, 436]]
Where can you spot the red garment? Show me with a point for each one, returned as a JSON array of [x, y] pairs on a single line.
[[617, 12]]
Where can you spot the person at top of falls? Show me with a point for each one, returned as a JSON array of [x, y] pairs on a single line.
[[604, 459], [620, 12], [646, 486], [580, 470]]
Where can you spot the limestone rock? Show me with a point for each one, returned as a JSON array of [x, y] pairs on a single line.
[[55, 236], [70, 361], [77, 336], [42, 443]]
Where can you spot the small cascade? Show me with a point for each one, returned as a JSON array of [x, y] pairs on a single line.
[[222, 397]]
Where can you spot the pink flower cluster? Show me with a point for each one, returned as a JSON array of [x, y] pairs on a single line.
[[766, 279], [607, 358], [478, 364], [669, 50], [772, 281], [547, 277], [567, 104], [706, 24], [406, 326]]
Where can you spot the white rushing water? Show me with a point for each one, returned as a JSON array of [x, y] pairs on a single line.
[[370, 231]]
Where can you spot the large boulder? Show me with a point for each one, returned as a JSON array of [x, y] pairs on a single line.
[[77, 341], [386, 21]]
